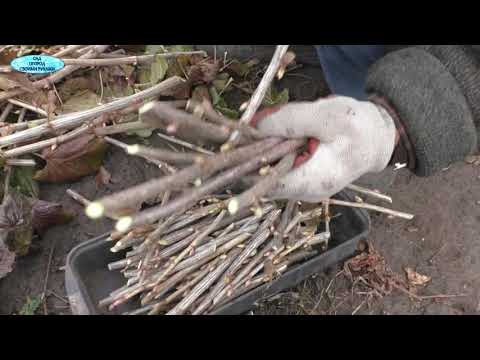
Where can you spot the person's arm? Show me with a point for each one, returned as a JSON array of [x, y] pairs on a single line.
[[433, 94], [420, 110]]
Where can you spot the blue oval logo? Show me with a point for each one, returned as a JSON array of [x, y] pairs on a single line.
[[37, 64]]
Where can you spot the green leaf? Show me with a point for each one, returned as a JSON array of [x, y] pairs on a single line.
[[23, 240], [31, 306], [145, 133], [273, 97], [283, 97], [223, 76], [214, 95], [242, 69], [221, 105], [158, 70], [143, 75], [154, 49], [221, 85], [179, 48], [22, 181], [230, 113]]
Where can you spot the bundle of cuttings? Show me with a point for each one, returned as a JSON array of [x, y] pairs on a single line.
[[205, 231]]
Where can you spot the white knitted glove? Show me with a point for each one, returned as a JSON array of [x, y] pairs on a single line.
[[355, 137]]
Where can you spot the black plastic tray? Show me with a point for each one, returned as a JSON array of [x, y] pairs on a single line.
[[88, 280]]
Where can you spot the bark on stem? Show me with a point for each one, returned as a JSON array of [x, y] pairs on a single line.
[[264, 186], [75, 119], [159, 115], [68, 50], [20, 162], [371, 193], [162, 165], [142, 59], [182, 289], [201, 236], [259, 94], [203, 285], [185, 144], [164, 155], [122, 128], [28, 107], [219, 119], [373, 208], [31, 148], [153, 187], [182, 203]]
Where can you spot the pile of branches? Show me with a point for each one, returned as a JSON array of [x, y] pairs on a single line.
[[210, 233]]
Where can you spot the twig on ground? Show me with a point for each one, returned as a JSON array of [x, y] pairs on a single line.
[[45, 282], [371, 193], [28, 107], [373, 208]]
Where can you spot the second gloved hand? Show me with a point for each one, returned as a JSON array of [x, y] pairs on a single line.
[[355, 138]]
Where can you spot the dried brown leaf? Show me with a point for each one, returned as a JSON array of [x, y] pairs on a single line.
[[472, 160], [16, 220], [417, 279], [46, 214], [83, 100], [287, 59], [72, 160], [8, 55], [180, 92], [6, 130], [73, 86], [204, 72]]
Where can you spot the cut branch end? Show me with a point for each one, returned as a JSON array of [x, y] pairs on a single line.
[[95, 210]]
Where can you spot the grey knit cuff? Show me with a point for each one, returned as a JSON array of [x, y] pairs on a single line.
[[430, 103], [462, 63]]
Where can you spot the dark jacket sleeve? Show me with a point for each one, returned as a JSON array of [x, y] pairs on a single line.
[[435, 91]]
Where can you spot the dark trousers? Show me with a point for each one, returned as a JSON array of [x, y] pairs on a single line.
[[346, 67]]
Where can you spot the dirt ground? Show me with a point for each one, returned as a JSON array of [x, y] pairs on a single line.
[[442, 242]]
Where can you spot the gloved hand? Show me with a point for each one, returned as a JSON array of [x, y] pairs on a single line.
[[353, 138]]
